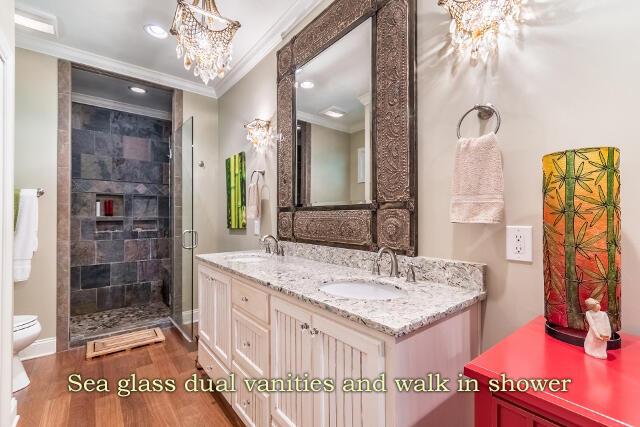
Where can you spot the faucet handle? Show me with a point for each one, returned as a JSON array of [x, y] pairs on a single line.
[[411, 273], [376, 267]]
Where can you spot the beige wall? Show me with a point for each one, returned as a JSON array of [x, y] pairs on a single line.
[[252, 97], [330, 152], [356, 189], [204, 111], [570, 81], [35, 166]]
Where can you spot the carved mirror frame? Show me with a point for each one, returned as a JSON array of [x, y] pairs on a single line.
[[390, 219]]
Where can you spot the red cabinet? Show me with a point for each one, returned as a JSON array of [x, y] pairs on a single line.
[[601, 392]]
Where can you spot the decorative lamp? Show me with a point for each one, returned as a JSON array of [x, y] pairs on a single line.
[[581, 240], [260, 134], [476, 24], [204, 38]]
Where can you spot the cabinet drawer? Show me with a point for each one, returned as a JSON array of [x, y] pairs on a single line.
[[251, 407], [250, 344], [212, 367], [251, 300]]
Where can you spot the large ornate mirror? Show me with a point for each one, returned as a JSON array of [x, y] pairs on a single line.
[[346, 105]]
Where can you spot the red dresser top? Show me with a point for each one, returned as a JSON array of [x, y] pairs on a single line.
[[605, 391]]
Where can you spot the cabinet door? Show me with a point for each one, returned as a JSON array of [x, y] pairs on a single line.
[[215, 313], [205, 310], [340, 352], [251, 406], [505, 414], [290, 354]]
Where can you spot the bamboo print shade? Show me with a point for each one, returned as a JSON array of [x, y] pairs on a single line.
[[581, 192], [235, 167]]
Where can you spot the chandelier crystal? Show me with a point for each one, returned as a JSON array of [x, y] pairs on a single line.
[[260, 134], [476, 24], [204, 38]]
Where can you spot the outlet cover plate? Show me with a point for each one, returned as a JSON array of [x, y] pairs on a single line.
[[520, 243]]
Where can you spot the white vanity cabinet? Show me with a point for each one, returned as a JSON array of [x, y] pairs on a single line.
[[254, 331], [304, 342]]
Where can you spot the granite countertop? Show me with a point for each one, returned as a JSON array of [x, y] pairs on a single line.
[[424, 302]]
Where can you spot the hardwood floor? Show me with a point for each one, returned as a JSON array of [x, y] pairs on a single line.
[[47, 402]]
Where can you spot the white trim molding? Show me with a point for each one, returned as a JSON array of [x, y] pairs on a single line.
[[40, 348], [266, 44], [8, 407], [97, 101], [56, 49]]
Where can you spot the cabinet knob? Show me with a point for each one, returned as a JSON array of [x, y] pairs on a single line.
[[244, 299], [314, 332], [304, 326], [246, 344], [246, 403]]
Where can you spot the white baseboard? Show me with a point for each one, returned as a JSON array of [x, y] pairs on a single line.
[[43, 347], [190, 316], [14, 412]]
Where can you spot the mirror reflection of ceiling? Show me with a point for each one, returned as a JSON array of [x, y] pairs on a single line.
[[341, 75], [116, 89]]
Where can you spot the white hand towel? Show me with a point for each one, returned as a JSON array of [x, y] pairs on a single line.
[[478, 181], [25, 240], [253, 201]]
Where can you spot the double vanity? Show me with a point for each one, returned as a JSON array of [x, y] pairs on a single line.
[[320, 311]]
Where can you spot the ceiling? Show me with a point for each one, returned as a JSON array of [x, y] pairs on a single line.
[[111, 88], [110, 34], [341, 76]]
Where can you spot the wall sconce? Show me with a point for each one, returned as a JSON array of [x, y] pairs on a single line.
[[260, 134], [476, 24]]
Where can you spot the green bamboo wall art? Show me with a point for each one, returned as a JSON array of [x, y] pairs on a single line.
[[236, 174], [581, 234]]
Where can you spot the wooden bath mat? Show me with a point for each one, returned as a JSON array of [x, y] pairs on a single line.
[[122, 342]]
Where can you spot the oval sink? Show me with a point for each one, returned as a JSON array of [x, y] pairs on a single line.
[[363, 290], [247, 258]]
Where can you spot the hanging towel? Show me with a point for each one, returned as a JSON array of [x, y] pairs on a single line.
[[478, 182], [25, 240], [253, 201]]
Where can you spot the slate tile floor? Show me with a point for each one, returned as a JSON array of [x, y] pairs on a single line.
[[102, 324]]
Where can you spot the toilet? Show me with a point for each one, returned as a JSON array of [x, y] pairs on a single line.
[[26, 330]]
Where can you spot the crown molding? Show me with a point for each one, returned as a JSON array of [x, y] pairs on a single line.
[[266, 44], [110, 104], [53, 48]]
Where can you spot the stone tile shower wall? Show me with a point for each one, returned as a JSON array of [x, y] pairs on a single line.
[[123, 260]]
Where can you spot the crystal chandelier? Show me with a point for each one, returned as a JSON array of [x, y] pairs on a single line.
[[476, 24], [204, 38], [260, 134]]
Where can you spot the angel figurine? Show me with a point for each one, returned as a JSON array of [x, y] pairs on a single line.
[[595, 344]]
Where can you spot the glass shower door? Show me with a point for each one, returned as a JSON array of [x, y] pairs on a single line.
[[185, 237]]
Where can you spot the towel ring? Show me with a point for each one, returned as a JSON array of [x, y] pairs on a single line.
[[259, 172], [485, 112]]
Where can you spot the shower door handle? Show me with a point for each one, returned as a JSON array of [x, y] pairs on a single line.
[[194, 239]]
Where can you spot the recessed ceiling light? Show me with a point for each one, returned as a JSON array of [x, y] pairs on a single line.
[[36, 23], [307, 85], [333, 112], [136, 89], [156, 31]]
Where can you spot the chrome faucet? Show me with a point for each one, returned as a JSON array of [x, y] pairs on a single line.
[[277, 250], [394, 261]]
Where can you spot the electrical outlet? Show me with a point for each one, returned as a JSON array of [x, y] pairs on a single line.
[[519, 243]]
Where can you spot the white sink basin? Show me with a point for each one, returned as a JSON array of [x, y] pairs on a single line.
[[247, 258], [363, 290]]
